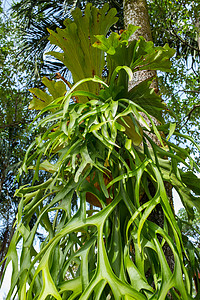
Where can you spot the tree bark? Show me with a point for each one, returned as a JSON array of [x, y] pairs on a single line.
[[136, 13], [198, 31]]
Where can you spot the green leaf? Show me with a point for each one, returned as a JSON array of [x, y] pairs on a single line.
[[138, 281], [76, 42], [146, 97], [114, 40], [116, 71], [172, 127], [191, 181], [40, 99], [149, 57], [132, 129]]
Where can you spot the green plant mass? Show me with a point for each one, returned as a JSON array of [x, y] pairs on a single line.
[[97, 140]]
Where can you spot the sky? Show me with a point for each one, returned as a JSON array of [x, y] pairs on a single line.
[[6, 4]]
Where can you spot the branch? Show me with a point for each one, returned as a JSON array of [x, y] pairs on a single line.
[[191, 111], [173, 32], [198, 31], [59, 76], [193, 63], [13, 124], [188, 91]]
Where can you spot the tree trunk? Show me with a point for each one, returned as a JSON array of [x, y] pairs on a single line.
[[6, 239], [198, 31], [136, 13]]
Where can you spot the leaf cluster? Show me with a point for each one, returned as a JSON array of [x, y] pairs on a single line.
[[97, 140]]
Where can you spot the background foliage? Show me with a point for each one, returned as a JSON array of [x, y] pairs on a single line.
[[14, 117]]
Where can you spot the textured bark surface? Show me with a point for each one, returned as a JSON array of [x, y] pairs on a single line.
[[198, 31], [6, 239], [136, 13]]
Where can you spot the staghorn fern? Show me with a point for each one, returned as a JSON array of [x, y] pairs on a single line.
[[115, 252]]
